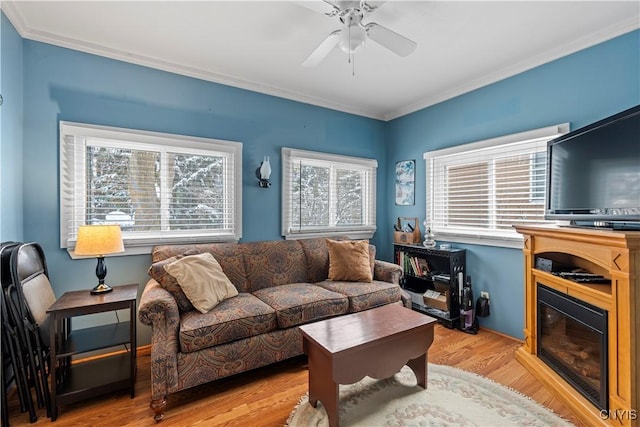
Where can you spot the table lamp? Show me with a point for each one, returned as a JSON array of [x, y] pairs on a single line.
[[98, 241]]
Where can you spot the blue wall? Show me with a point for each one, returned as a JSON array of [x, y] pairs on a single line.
[[11, 125], [580, 89], [63, 84], [53, 84]]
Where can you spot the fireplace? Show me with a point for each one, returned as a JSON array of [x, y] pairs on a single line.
[[614, 255], [572, 340]]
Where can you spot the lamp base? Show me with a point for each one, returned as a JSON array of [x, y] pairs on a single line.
[[101, 289]]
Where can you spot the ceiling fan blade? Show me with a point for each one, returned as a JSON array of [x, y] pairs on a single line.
[[332, 3], [400, 45], [321, 6], [323, 50]]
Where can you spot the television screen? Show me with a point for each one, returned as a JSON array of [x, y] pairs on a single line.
[[594, 172]]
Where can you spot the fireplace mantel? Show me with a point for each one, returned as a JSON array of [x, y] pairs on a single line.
[[614, 255]]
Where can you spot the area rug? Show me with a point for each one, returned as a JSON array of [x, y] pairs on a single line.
[[453, 398]]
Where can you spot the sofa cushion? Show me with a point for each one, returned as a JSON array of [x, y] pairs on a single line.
[[168, 282], [317, 254], [229, 255], [349, 261], [363, 296], [202, 280], [300, 303], [233, 319], [273, 263]]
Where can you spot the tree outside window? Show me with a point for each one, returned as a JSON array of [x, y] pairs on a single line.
[[157, 187], [326, 194]]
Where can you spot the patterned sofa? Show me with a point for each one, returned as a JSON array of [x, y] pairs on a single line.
[[281, 284]]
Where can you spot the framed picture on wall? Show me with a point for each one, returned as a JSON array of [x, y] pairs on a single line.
[[405, 182]]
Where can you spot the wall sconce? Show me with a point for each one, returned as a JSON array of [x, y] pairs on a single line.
[[264, 173]]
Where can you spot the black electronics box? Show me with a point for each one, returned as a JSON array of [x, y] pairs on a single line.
[[544, 264], [551, 266]]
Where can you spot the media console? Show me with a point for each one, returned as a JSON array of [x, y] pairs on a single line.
[[612, 257]]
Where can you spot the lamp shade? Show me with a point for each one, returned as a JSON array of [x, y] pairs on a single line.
[[99, 240]]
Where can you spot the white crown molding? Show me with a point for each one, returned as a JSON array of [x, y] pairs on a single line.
[[562, 50], [57, 40]]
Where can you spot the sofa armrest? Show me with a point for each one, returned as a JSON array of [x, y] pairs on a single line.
[[159, 310], [158, 307], [406, 299], [387, 272]]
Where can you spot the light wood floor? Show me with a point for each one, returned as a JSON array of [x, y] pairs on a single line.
[[265, 397]]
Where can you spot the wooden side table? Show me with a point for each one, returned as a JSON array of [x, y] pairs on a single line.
[[73, 382]]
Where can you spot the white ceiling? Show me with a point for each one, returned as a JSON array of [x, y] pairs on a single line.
[[260, 45]]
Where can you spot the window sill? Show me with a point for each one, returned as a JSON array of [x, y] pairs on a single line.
[[354, 235], [514, 242], [146, 249], [136, 250]]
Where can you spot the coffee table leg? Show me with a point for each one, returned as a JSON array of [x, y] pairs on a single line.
[[322, 386], [419, 367]]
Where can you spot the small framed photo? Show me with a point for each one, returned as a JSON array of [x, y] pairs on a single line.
[[405, 182]]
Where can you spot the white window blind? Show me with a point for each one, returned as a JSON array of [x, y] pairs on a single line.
[[159, 188], [479, 190], [327, 194]]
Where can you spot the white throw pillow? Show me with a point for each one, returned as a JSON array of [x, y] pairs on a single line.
[[202, 280]]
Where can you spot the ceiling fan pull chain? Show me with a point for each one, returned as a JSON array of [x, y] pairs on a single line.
[[350, 51], [353, 66]]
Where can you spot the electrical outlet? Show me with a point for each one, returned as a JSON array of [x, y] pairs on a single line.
[[484, 294]]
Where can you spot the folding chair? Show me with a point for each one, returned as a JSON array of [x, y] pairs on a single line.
[[13, 355], [30, 295]]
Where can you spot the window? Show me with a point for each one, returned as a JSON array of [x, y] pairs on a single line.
[[477, 191], [327, 195], [159, 188]]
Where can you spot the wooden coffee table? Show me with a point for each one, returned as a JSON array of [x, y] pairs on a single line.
[[375, 343]]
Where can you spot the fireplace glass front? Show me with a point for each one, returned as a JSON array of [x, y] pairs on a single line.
[[573, 342]]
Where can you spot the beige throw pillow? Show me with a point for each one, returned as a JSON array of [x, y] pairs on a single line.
[[202, 280], [349, 261]]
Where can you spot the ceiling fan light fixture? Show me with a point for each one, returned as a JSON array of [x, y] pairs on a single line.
[[353, 34], [353, 37]]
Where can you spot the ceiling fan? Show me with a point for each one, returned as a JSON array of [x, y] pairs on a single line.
[[354, 33]]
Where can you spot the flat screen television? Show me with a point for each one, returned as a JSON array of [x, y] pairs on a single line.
[[594, 173]]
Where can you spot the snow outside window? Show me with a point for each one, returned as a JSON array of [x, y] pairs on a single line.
[[477, 191], [159, 188], [327, 195]]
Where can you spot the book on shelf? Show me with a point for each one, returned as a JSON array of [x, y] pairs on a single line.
[[413, 265], [404, 261], [424, 266], [400, 260]]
